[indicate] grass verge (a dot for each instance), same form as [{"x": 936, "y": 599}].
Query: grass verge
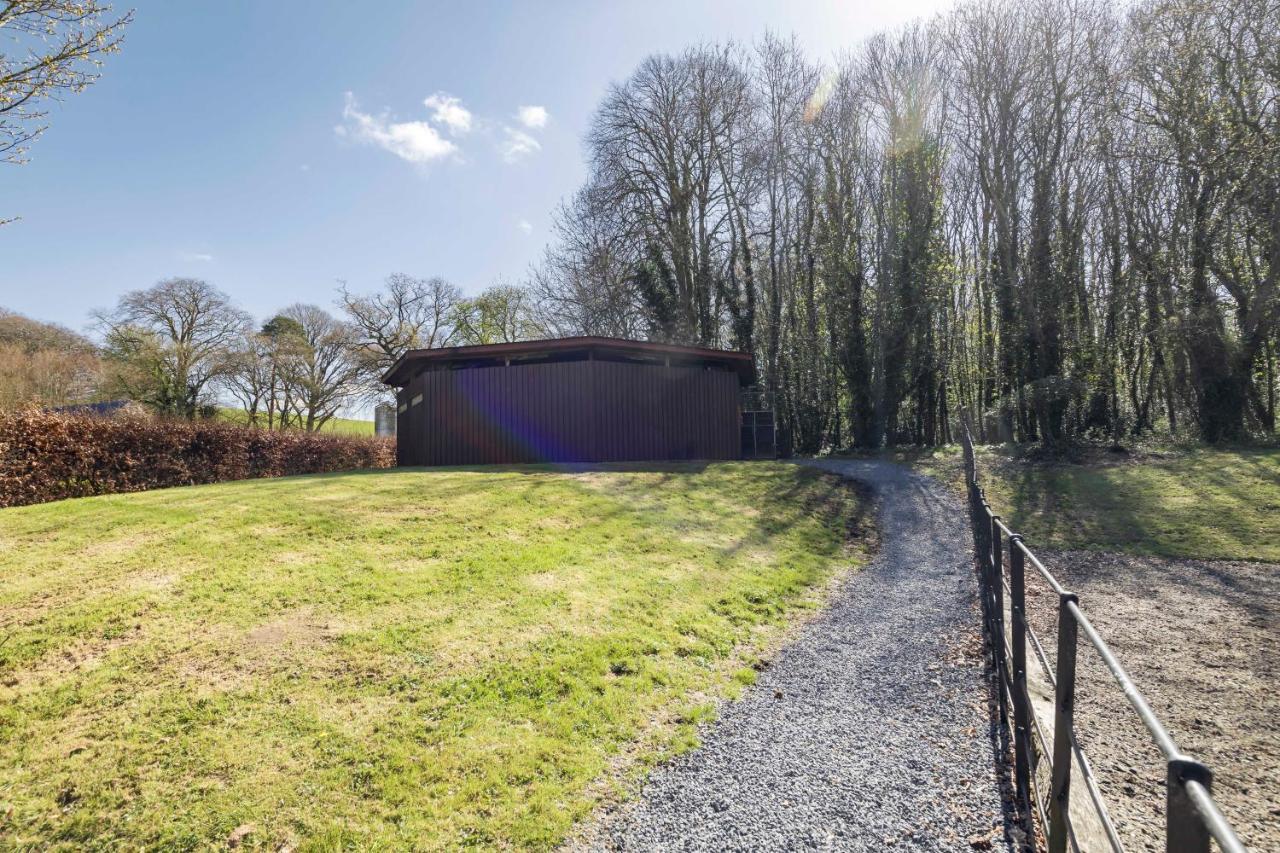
[
  {"x": 386, "y": 659},
  {"x": 1196, "y": 502}
]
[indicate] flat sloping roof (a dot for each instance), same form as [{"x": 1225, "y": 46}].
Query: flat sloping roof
[{"x": 415, "y": 360}]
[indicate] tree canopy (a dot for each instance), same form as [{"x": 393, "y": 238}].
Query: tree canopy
[{"x": 1055, "y": 218}]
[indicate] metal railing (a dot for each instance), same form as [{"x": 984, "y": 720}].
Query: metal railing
[{"x": 1192, "y": 817}]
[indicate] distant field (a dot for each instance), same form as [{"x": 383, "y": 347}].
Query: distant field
[
  {"x": 388, "y": 659},
  {"x": 1206, "y": 503},
  {"x": 348, "y": 426}
]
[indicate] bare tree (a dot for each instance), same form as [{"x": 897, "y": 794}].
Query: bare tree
[
  {"x": 584, "y": 283},
  {"x": 791, "y": 99},
  {"x": 322, "y": 373},
  {"x": 166, "y": 344},
  {"x": 251, "y": 377},
  {"x": 992, "y": 52},
  {"x": 839, "y": 115},
  {"x": 667, "y": 147},
  {"x": 409, "y": 313}
]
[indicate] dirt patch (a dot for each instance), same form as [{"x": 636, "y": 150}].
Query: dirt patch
[
  {"x": 67, "y": 661},
  {"x": 294, "y": 558},
  {"x": 116, "y": 548},
  {"x": 153, "y": 581},
  {"x": 229, "y": 659},
  {"x": 1201, "y": 639},
  {"x": 299, "y": 628}
]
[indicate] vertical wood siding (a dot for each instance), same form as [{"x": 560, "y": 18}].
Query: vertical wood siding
[{"x": 578, "y": 411}]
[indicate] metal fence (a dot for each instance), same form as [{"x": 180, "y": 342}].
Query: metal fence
[{"x": 1047, "y": 754}]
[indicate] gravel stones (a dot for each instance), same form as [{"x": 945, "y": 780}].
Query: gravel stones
[{"x": 870, "y": 732}]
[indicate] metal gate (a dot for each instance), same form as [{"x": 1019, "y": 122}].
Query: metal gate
[{"x": 759, "y": 438}]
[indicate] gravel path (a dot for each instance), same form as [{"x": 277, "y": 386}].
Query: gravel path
[{"x": 870, "y": 732}]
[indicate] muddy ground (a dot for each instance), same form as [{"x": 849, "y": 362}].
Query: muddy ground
[{"x": 1201, "y": 639}]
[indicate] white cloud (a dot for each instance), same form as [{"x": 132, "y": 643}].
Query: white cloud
[
  {"x": 525, "y": 226},
  {"x": 202, "y": 257},
  {"x": 449, "y": 111},
  {"x": 532, "y": 117},
  {"x": 414, "y": 141},
  {"x": 434, "y": 138},
  {"x": 517, "y": 145}
]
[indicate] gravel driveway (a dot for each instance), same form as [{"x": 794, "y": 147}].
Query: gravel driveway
[{"x": 870, "y": 732}]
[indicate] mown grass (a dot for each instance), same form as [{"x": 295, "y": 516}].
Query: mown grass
[
  {"x": 386, "y": 659},
  {"x": 345, "y": 426},
  {"x": 1194, "y": 502}
]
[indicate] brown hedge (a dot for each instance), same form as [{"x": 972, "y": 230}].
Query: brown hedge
[{"x": 46, "y": 456}]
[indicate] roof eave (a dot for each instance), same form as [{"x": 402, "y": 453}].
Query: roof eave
[{"x": 740, "y": 362}]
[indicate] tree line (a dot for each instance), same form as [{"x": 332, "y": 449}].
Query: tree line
[
  {"x": 182, "y": 346},
  {"x": 1057, "y": 219}
]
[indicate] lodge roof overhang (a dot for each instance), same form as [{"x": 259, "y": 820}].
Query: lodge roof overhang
[{"x": 415, "y": 361}]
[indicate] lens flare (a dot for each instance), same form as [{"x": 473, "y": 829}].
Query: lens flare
[{"x": 821, "y": 94}]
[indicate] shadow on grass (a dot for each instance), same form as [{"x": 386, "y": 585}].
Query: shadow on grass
[
  {"x": 804, "y": 493},
  {"x": 1194, "y": 506}
]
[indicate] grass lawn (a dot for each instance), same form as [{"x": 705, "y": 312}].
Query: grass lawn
[
  {"x": 346, "y": 426},
  {"x": 387, "y": 659},
  {"x": 1204, "y": 503}
]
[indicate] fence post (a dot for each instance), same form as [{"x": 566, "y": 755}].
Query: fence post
[
  {"x": 1185, "y": 832},
  {"x": 1063, "y": 724},
  {"x": 1022, "y": 742},
  {"x": 976, "y": 523},
  {"x": 997, "y": 622},
  {"x": 973, "y": 517},
  {"x": 984, "y": 568}
]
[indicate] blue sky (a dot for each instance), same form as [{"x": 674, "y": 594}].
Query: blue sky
[{"x": 275, "y": 148}]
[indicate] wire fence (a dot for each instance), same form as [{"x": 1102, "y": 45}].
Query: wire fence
[{"x": 1048, "y": 758}]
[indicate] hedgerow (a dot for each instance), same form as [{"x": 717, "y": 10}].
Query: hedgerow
[{"x": 48, "y": 456}]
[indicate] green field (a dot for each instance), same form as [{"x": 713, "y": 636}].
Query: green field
[
  {"x": 387, "y": 659},
  {"x": 346, "y": 426},
  {"x": 1204, "y": 503}
]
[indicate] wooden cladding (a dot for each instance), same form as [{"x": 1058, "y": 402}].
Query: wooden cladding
[{"x": 569, "y": 411}]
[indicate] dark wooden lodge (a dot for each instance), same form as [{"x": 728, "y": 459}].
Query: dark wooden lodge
[{"x": 583, "y": 399}]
